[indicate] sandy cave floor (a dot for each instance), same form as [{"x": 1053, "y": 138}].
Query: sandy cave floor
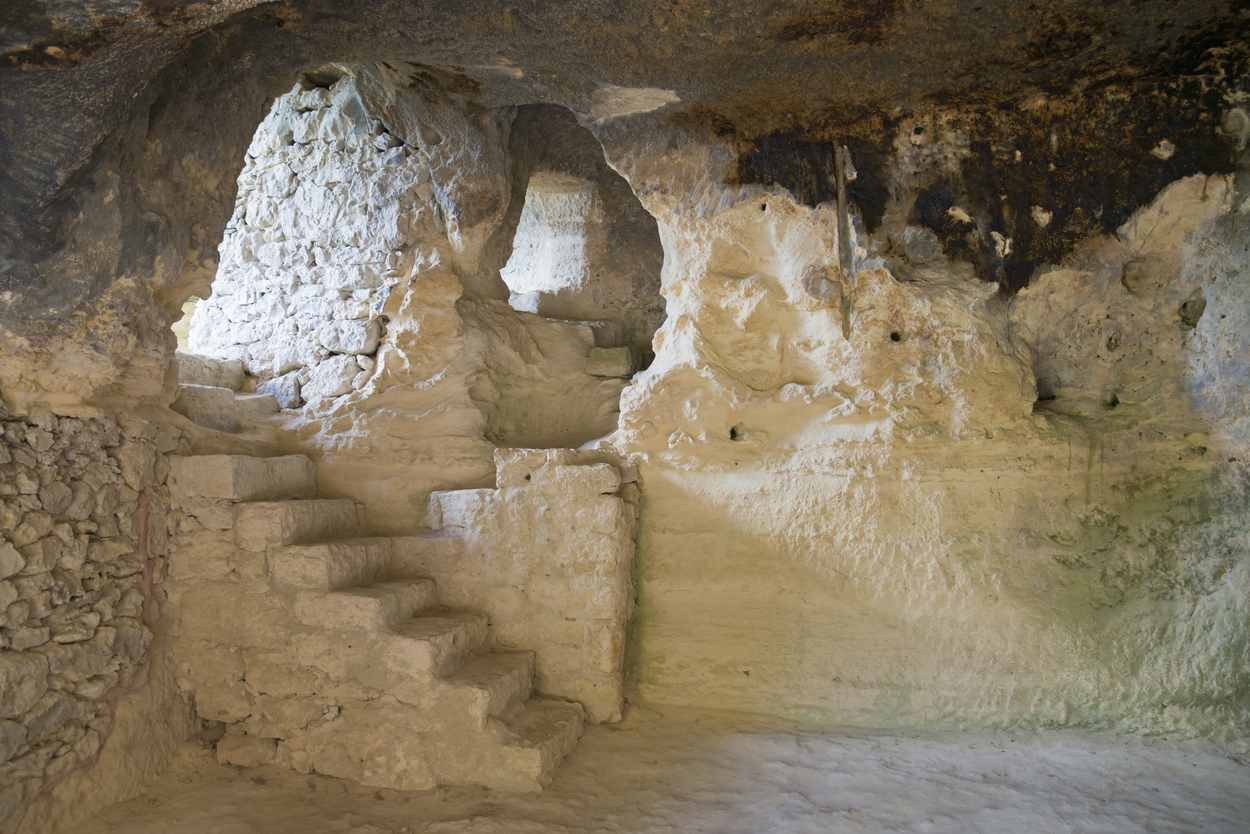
[{"x": 677, "y": 769}]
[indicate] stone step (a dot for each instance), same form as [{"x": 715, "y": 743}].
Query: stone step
[
  {"x": 194, "y": 369},
  {"x": 493, "y": 685},
  {"x": 242, "y": 477},
  {"x": 206, "y": 405},
  {"x": 330, "y": 565},
  {"x": 373, "y": 608},
  {"x": 437, "y": 640},
  {"x": 254, "y": 406},
  {"x": 543, "y": 732},
  {"x": 439, "y": 556},
  {"x": 267, "y": 524}
]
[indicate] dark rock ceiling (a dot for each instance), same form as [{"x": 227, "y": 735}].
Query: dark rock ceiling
[{"x": 777, "y": 80}]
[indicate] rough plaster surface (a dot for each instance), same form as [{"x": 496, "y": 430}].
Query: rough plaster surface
[
  {"x": 673, "y": 769},
  {"x": 898, "y": 531}
]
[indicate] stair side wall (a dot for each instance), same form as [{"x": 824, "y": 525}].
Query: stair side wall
[{"x": 552, "y": 562}]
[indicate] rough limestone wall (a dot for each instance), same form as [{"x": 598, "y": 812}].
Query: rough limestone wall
[
  {"x": 327, "y": 203},
  {"x": 584, "y": 247},
  {"x": 550, "y": 555},
  {"x": 362, "y": 215},
  {"x": 84, "y": 539},
  {"x": 853, "y": 510}
]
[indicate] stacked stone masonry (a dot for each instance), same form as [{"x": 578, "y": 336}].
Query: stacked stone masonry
[
  {"x": 323, "y": 649},
  {"x": 83, "y": 533},
  {"x": 327, "y": 210}
]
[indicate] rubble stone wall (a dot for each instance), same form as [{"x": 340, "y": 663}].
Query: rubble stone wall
[
  {"x": 327, "y": 205},
  {"x": 83, "y": 537}
]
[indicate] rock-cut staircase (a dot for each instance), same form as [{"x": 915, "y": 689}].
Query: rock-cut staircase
[{"x": 323, "y": 652}]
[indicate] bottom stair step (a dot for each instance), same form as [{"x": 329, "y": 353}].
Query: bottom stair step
[
  {"x": 494, "y": 684},
  {"x": 542, "y": 733}
]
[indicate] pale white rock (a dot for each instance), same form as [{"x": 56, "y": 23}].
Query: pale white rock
[
  {"x": 285, "y": 389},
  {"x": 353, "y": 337},
  {"x": 331, "y": 378}
]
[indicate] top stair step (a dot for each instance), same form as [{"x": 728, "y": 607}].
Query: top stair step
[{"x": 243, "y": 478}]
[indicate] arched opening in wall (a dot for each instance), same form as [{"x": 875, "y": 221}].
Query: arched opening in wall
[
  {"x": 346, "y": 218},
  {"x": 584, "y": 248},
  {"x": 292, "y": 315}
]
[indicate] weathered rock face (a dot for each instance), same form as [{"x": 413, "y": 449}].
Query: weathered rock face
[
  {"x": 84, "y": 533},
  {"x": 931, "y": 505},
  {"x": 584, "y": 248},
  {"x": 875, "y": 486},
  {"x": 341, "y": 289}
]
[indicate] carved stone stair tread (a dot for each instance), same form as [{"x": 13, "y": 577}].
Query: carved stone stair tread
[
  {"x": 266, "y": 524},
  {"x": 330, "y": 565},
  {"x": 440, "y": 638},
  {"x": 542, "y": 733},
  {"x": 242, "y": 478},
  {"x": 496, "y": 683},
  {"x": 251, "y": 406},
  {"x": 376, "y": 608},
  {"x": 543, "y": 721}
]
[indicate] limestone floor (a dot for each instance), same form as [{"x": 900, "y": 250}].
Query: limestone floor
[{"x": 670, "y": 769}]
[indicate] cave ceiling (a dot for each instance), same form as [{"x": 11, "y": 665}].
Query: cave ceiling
[{"x": 1060, "y": 103}]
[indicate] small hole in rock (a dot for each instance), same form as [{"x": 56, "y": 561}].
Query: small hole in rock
[
  {"x": 1113, "y": 343},
  {"x": 1110, "y": 400},
  {"x": 527, "y": 477},
  {"x": 763, "y": 206},
  {"x": 1191, "y": 311},
  {"x": 918, "y": 129},
  {"x": 896, "y": 336},
  {"x": 738, "y": 432}
]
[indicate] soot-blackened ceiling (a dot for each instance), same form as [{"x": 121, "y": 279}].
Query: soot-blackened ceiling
[{"x": 780, "y": 81}]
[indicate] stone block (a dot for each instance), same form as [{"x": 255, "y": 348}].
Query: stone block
[
  {"x": 260, "y": 526},
  {"x": 284, "y": 389},
  {"x": 23, "y": 681},
  {"x": 243, "y": 750},
  {"x": 242, "y": 477},
  {"x": 331, "y": 378},
  {"x": 194, "y": 369},
  {"x": 353, "y": 337},
  {"x": 10, "y": 560},
  {"x": 620, "y": 362},
  {"x": 206, "y": 405},
  {"x": 254, "y": 406}
]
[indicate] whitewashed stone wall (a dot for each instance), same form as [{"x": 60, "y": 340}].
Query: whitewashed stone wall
[
  {"x": 327, "y": 207},
  {"x": 83, "y": 534},
  {"x": 550, "y": 554}
]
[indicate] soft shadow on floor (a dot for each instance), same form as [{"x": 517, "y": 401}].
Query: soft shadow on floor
[{"x": 680, "y": 769}]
